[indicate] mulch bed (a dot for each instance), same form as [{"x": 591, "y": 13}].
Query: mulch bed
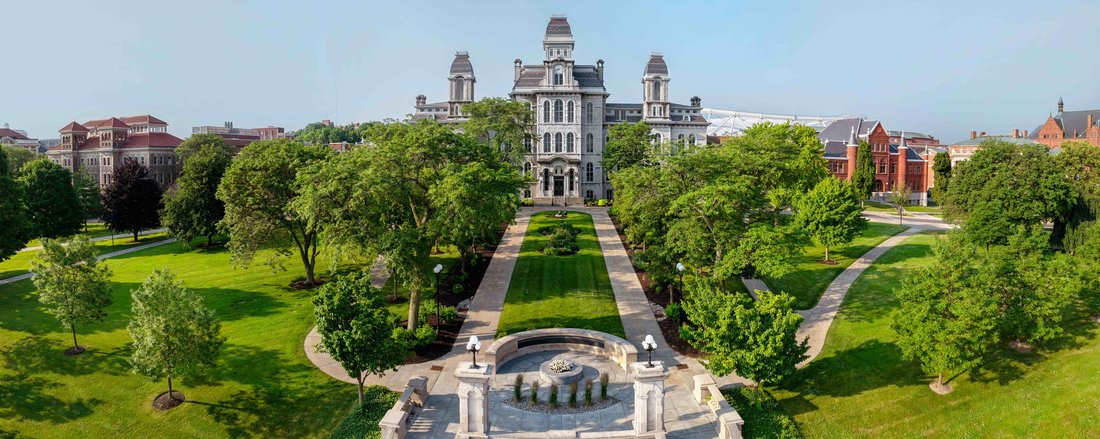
[
  {"x": 164, "y": 402},
  {"x": 670, "y": 329},
  {"x": 77, "y": 350}
]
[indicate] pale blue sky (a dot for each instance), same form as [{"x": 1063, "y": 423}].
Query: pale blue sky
[{"x": 942, "y": 67}]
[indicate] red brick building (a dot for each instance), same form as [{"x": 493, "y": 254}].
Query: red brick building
[
  {"x": 100, "y": 146},
  {"x": 1068, "y": 126},
  {"x": 895, "y": 163}
]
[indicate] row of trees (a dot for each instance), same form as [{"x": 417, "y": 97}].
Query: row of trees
[{"x": 1002, "y": 278}]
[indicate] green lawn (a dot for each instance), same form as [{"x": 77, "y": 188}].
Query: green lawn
[
  {"x": 560, "y": 291},
  {"x": 810, "y": 278},
  {"x": 263, "y": 385},
  {"x": 860, "y": 387},
  {"x": 95, "y": 230},
  {"x": 20, "y": 263}
]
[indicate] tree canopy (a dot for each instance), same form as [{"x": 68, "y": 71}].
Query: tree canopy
[
  {"x": 132, "y": 200},
  {"x": 53, "y": 208},
  {"x": 14, "y": 230},
  {"x": 1079, "y": 162},
  {"x": 318, "y": 133},
  {"x": 197, "y": 142},
  {"x": 627, "y": 145},
  {"x": 830, "y": 214},
  {"x": 260, "y": 189},
  {"x": 192, "y": 208},
  {"x": 506, "y": 125},
  {"x": 87, "y": 190},
  {"x": 71, "y": 283},
  {"x": 941, "y": 169},
  {"x": 863, "y": 176},
  {"x": 18, "y": 157}
]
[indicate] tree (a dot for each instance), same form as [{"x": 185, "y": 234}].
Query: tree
[
  {"x": 174, "y": 334},
  {"x": 318, "y": 133},
  {"x": 197, "y": 142},
  {"x": 900, "y": 198},
  {"x": 831, "y": 214},
  {"x": 757, "y": 340},
  {"x": 945, "y": 321},
  {"x": 356, "y": 329},
  {"x": 863, "y": 176},
  {"x": 941, "y": 168},
  {"x": 478, "y": 198},
  {"x": 1005, "y": 183},
  {"x": 132, "y": 200},
  {"x": 18, "y": 157},
  {"x": 627, "y": 145},
  {"x": 1079, "y": 162},
  {"x": 14, "y": 230},
  {"x": 192, "y": 208},
  {"x": 72, "y": 284},
  {"x": 53, "y": 208},
  {"x": 87, "y": 191},
  {"x": 504, "y": 124},
  {"x": 259, "y": 190}
]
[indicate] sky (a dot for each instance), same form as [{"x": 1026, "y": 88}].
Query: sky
[{"x": 939, "y": 67}]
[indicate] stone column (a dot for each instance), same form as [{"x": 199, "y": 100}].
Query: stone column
[
  {"x": 473, "y": 399},
  {"x": 649, "y": 397}
]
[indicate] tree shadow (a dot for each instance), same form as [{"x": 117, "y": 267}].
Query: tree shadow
[
  {"x": 24, "y": 397},
  {"x": 38, "y": 354},
  {"x": 871, "y": 365}
]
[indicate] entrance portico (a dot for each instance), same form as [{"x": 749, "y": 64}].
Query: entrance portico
[{"x": 558, "y": 182}]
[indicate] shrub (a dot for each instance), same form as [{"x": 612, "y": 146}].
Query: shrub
[
  {"x": 534, "y": 393},
  {"x": 427, "y": 310},
  {"x": 588, "y": 393},
  {"x": 553, "y": 396},
  {"x": 604, "y": 379},
  {"x": 517, "y": 389},
  {"x": 601, "y": 202},
  {"x": 764, "y": 420},
  {"x": 674, "y": 312},
  {"x": 685, "y": 333},
  {"x": 363, "y": 420},
  {"x": 562, "y": 242},
  {"x": 573, "y": 395},
  {"x": 457, "y": 289}
]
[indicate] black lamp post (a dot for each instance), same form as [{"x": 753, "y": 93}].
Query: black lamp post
[
  {"x": 473, "y": 346},
  {"x": 438, "y": 268},
  {"x": 679, "y": 268},
  {"x": 649, "y": 345}
]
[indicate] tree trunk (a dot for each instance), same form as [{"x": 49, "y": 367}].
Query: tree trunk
[
  {"x": 359, "y": 380},
  {"x": 826, "y": 254},
  {"x": 75, "y": 346},
  {"x": 170, "y": 386},
  {"x": 309, "y": 275},
  {"x": 414, "y": 304},
  {"x": 209, "y": 240},
  {"x": 939, "y": 382},
  {"x": 135, "y": 234}
]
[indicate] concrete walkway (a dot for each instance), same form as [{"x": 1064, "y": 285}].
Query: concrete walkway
[
  {"x": 100, "y": 257},
  {"x": 106, "y": 238}
]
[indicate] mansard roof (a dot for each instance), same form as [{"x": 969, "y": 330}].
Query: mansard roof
[
  {"x": 585, "y": 75},
  {"x": 461, "y": 65},
  {"x": 656, "y": 65},
  {"x": 558, "y": 25},
  {"x": 841, "y": 129}
]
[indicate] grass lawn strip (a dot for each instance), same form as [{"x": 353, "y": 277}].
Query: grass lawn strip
[
  {"x": 560, "y": 291},
  {"x": 20, "y": 263}
]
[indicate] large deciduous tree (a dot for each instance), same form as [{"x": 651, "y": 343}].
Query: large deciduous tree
[
  {"x": 192, "y": 208},
  {"x": 1079, "y": 162},
  {"x": 356, "y": 329},
  {"x": 863, "y": 176},
  {"x": 627, "y": 145},
  {"x": 322, "y": 134},
  {"x": 197, "y": 142},
  {"x": 53, "y": 207},
  {"x": 72, "y": 283},
  {"x": 14, "y": 230},
  {"x": 478, "y": 198},
  {"x": 18, "y": 157},
  {"x": 174, "y": 334},
  {"x": 87, "y": 190},
  {"x": 830, "y": 214},
  {"x": 132, "y": 200},
  {"x": 259, "y": 190},
  {"x": 504, "y": 124},
  {"x": 941, "y": 169}
]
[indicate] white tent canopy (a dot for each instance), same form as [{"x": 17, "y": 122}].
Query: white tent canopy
[{"x": 732, "y": 123}]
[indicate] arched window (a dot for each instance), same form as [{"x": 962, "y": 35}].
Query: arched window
[
  {"x": 557, "y": 142},
  {"x": 569, "y": 142},
  {"x": 571, "y": 180},
  {"x": 557, "y": 110},
  {"x": 527, "y": 144},
  {"x": 559, "y": 75},
  {"x": 691, "y": 139},
  {"x": 459, "y": 85},
  {"x": 589, "y": 143},
  {"x": 656, "y": 94},
  {"x": 589, "y": 174},
  {"x": 527, "y": 168},
  {"x": 656, "y": 137},
  {"x": 546, "y": 179},
  {"x": 546, "y": 142},
  {"x": 570, "y": 114},
  {"x": 546, "y": 111},
  {"x": 588, "y": 112}
]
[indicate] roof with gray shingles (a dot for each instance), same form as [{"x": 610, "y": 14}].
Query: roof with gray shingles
[
  {"x": 558, "y": 25},
  {"x": 656, "y": 65},
  {"x": 841, "y": 129},
  {"x": 585, "y": 76},
  {"x": 461, "y": 65}
]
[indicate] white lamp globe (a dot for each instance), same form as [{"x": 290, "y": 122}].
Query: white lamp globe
[
  {"x": 679, "y": 266},
  {"x": 438, "y": 268}
]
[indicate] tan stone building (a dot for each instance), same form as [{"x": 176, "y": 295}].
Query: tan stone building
[{"x": 100, "y": 146}]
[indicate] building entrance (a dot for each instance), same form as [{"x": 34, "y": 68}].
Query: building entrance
[{"x": 559, "y": 186}]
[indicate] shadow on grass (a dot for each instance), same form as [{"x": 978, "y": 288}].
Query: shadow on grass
[
  {"x": 871, "y": 365},
  {"x": 25, "y": 397},
  {"x": 38, "y": 354}
]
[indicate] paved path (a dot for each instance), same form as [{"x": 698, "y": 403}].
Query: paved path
[
  {"x": 105, "y": 238},
  {"x": 921, "y": 220},
  {"x": 100, "y": 257}
]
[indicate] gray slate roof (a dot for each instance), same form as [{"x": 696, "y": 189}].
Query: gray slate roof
[
  {"x": 558, "y": 25},
  {"x": 1077, "y": 121},
  {"x": 586, "y": 76},
  {"x": 461, "y": 65},
  {"x": 656, "y": 65},
  {"x": 841, "y": 129}
]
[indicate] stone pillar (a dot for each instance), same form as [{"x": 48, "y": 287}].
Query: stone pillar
[
  {"x": 473, "y": 399},
  {"x": 649, "y": 397}
]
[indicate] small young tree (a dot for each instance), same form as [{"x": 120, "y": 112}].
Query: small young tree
[
  {"x": 192, "y": 209},
  {"x": 53, "y": 208},
  {"x": 72, "y": 284},
  {"x": 900, "y": 199},
  {"x": 863, "y": 176},
  {"x": 132, "y": 200},
  {"x": 830, "y": 213},
  {"x": 14, "y": 230},
  {"x": 356, "y": 329},
  {"x": 174, "y": 334},
  {"x": 87, "y": 190},
  {"x": 945, "y": 322},
  {"x": 941, "y": 169}
]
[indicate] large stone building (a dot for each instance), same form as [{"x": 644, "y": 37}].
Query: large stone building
[
  {"x": 961, "y": 151},
  {"x": 573, "y": 115},
  {"x": 102, "y": 145},
  {"x": 1067, "y": 126},
  {"x": 894, "y": 162},
  {"x": 240, "y": 137},
  {"x": 17, "y": 138}
]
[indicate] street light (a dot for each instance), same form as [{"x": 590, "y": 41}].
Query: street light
[
  {"x": 438, "y": 268},
  {"x": 473, "y": 346},
  {"x": 649, "y": 345},
  {"x": 679, "y": 268}
]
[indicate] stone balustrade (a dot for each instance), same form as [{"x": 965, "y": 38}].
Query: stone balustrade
[
  {"x": 706, "y": 393},
  {"x": 395, "y": 423},
  {"x": 614, "y": 348}
]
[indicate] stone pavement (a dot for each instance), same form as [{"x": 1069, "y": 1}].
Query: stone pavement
[{"x": 100, "y": 257}]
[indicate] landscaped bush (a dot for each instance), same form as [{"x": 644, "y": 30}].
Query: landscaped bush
[
  {"x": 601, "y": 202},
  {"x": 763, "y": 420},
  {"x": 363, "y": 421},
  {"x": 562, "y": 239},
  {"x": 517, "y": 388},
  {"x": 423, "y": 336},
  {"x": 573, "y": 395},
  {"x": 588, "y": 393},
  {"x": 604, "y": 380},
  {"x": 427, "y": 310},
  {"x": 674, "y": 312},
  {"x": 553, "y": 399}
]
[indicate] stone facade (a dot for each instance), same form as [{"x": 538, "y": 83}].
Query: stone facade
[
  {"x": 573, "y": 115},
  {"x": 100, "y": 146},
  {"x": 1068, "y": 126}
]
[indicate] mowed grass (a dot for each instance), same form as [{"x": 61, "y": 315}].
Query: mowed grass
[
  {"x": 20, "y": 263},
  {"x": 95, "y": 230},
  {"x": 810, "y": 278},
  {"x": 860, "y": 387},
  {"x": 560, "y": 291},
  {"x": 263, "y": 384}
]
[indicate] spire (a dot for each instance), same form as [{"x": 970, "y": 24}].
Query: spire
[
  {"x": 852, "y": 137},
  {"x": 1060, "y": 105},
  {"x": 902, "y": 144}
]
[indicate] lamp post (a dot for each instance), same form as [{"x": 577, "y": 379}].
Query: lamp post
[
  {"x": 679, "y": 268},
  {"x": 473, "y": 346},
  {"x": 649, "y": 345},
  {"x": 437, "y": 269}
]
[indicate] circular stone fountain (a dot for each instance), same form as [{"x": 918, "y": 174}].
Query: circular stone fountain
[{"x": 560, "y": 371}]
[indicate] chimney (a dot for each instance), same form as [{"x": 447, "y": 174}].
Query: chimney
[
  {"x": 1015, "y": 133},
  {"x": 973, "y": 135},
  {"x": 599, "y": 69},
  {"x": 518, "y": 68},
  {"x": 696, "y": 102},
  {"x": 421, "y": 100},
  {"x": 981, "y": 134},
  {"x": 1025, "y": 133},
  {"x": 1091, "y": 120}
]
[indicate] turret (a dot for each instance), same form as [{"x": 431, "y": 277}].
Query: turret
[
  {"x": 72, "y": 135},
  {"x": 852, "y": 153},
  {"x": 1061, "y": 105},
  {"x": 696, "y": 101},
  {"x": 421, "y": 100},
  {"x": 655, "y": 87},
  {"x": 462, "y": 82},
  {"x": 558, "y": 42}
]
